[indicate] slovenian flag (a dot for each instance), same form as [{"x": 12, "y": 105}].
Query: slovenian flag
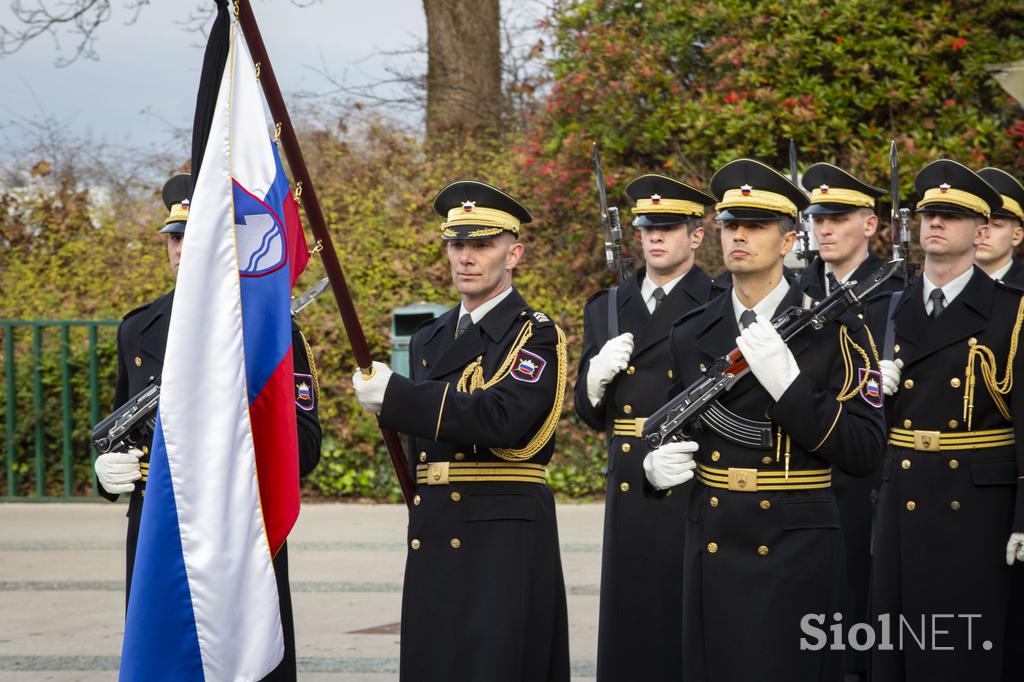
[{"x": 223, "y": 486}]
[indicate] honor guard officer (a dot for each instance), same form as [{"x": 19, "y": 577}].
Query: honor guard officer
[
  {"x": 484, "y": 597},
  {"x": 624, "y": 374},
  {"x": 141, "y": 340},
  {"x": 952, "y": 493},
  {"x": 1005, "y": 230},
  {"x": 763, "y": 544},
  {"x": 843, "y": 217}
]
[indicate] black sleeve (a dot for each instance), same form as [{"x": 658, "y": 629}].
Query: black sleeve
[
  {"x": 594, "y": 331},
  {"x": 307, "y": 400}
]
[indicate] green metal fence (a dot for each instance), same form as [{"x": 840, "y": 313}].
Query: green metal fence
[{"x": 40, "y": 371}]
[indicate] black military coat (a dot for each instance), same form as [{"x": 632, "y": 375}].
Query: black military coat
[
  {"x": 141, "y": 341},
  {"x": 945, "y": 515},
  {"x": 642, "y": 555},
  {"x": 484, "y": 596},
  {"x": 1015, "y": 275},
  {"x": 758, "y": 561},
  {"x": 856, "y": 496}
]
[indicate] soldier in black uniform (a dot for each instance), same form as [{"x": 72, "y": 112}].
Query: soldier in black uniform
[
  {"x": 1005, "y": 230},
  {"x": 484, "y": 597},
  {"x": 763, "y": 544},
  {"x": 624, "y": 374},
  {"x": 952, "y": 492},
  {"x": 843, "y": 217},
  {"x": 141, "y": 340}
]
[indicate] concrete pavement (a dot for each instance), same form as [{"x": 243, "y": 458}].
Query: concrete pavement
[{"x": 62, "y": 589}]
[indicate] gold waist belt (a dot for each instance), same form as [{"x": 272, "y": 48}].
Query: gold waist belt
[
  {"x": 442, "y": 473},
  {"x": 629, "y": 427},
  {"x": 752, "y": 480},
  {"x": 934, "y": 441}
]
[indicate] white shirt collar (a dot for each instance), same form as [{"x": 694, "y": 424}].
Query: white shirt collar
[
  {"x": 647, "y": 288},
  {"x": 1001, "y": 272},
  {"x": 484, "y": 308},
  {"x": 949, "y": 292},
  {"x": 766, "y": 306}
]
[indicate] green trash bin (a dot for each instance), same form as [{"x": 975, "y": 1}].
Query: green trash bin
[{"x": 404, "y": 322}]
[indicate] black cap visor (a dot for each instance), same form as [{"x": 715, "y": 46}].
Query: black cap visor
[
  {"x": 661, "y": 219},
  {"x": 744, "y": 213},
  {"x": 177, "y": 227},
  {"x": 831, "y": 209},
  {"x": 948, "y": 209}
]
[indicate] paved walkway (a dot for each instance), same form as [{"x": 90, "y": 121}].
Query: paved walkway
[{"x": 62, "y": 589}]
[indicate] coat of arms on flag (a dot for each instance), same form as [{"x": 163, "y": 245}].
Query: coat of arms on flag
[
  {"x": 871, "y": 389},
  {"x": 527, "y": 367}
]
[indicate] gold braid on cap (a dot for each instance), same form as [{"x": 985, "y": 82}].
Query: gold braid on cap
[
  {"x": 668, "y": 206},
  {"x": 472, "y": 379},
  {"x": 179, "y": 214},
  {"x": 957, "y": 197},
  {"x": 996, "y": 388},
  {"x": 757, "y": 198},
  {"x": 840, "y": 195},
  {"x": 492, "y": 221},
  {"x": 1013, "y": 206}
]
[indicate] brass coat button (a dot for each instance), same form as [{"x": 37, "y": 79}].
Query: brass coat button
[
  {"x": 415, "y": 544},
  {"x": 669, "y": 493},
  {"x": 907, "y": 423},
  {"x": 972, "y": 341},
  {"x": 896, "y": 348},
  {"x": 715, "y": 455},
  {"x": 624, "y": 487},
  {"x": 905, "y": 464},
  {"x": 953, "y": 423},
  {"x": 628, "y": 409},
  {"x": 456, "y": 497},
  {"x": 766, "y": 460},
  {"x": 954, "y": 382},
  {"x": 423, "y": 456},
  {"x": 713, "y": 501},
  {"x": 764, "y": 504},
  {"x": 416, "y": 500},
  {"x": 954, "y": 505},
  {"x": 669, "y": 373},
  {"x": 626, "y": 447},
  {"x": 456, "y": 543},
  {"x": 712, "y": 547},
  {"x": 703, "y": 368},
  {"x": 145, "y": 449},
  {"x": 631, "y": 370},
  {"x": 954, "y": 464},
  {"x": 762, "y": 550},
  {"x": 911, "y": 505},
  {"x": 459, "y": 457},
  {"x": 909, "y": 383},
  {"x": 424, "y": 361},
  {"x": 138, "y": 361}
]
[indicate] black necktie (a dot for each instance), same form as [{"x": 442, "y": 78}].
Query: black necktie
[
  {"x": 465, "y": 322},
  {"x": 937, "y": 302},
  {"x": 658, "y": 295},
  {"x": 831, "y": 283},
  {"x": 747, "y": 318}
]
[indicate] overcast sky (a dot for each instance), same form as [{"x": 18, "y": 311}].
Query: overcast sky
[{"x": 144, "y": 83}]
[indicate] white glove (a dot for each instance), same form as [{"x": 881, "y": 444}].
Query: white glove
[
  {"x": 610, "y": 360},
  {"x": 671, "y": 464},
  {"x": 768, "y": 356},
  {"x": 370, "y": 392},
  {"x": 890, "y": 375},
  {"x": 118, "y": 471},
  {"x": 1015, "y": 549}
]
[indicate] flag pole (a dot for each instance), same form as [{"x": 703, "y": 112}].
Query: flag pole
[{"x": 306, "y": 193}]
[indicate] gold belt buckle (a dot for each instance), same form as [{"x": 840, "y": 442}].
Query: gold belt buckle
[
  {"x": 437, "y": 473},
  {"x": 743, "y": 480},
  {"x": 638, "y": 426},
  {"x": 927, "y": 441}
]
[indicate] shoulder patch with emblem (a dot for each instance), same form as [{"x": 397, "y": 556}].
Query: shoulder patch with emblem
[
  {"x": 304, "y": 395},
  {"x": 527, "y": 367},
  {"x": 871, "y": 391},
  {"x": 541, "y": 317}
]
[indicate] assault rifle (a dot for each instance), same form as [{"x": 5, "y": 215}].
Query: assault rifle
[
  {"x": 132, "y": 425},
  {"x": 672, "y": 420},
  {"x": 899, "y": 222},
  {"x": 610, "y": 225},
  {"x": 803, "y": 227}
]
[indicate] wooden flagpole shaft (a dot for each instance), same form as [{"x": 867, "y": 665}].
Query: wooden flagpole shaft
[{"x": 315, "y": 216}]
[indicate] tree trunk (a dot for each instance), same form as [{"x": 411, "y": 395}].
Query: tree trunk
[{"x": 463, "y": 67}]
